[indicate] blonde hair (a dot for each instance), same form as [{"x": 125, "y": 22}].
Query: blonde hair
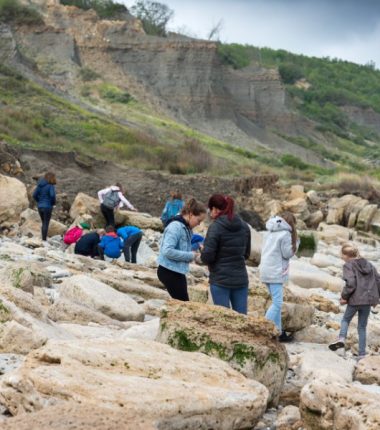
[{"x": 350, "y": 250}]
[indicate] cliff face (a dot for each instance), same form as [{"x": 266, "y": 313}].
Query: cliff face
[{"x": 182, "y": 77}]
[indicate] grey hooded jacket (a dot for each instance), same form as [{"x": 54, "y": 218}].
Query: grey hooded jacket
[
  {"x": 276, "y": 252},
  {"x": 362, "y": 283}
]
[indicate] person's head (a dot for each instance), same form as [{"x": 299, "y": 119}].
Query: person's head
[
  {"x": 221, "y": 205},
  {"x": 101, "y": 232},
  {"x": 193, "y": 212},
  {"x": 175, "y": 195},
  {"x": 118, "y": 184},
  {"x": 290, "y": 219},
  {"x": 50, "y": 177},
  {"x": 349, "y": 252},
  {"x": 110, "y": 229}
]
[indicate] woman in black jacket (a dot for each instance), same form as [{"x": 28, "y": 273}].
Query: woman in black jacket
[{"x": 226, "y": 247}]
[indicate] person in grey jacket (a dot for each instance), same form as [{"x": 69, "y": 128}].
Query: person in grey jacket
[
  {"x": 226, "y": 247},
  {"x": 175, "y": 250},
  {"x": 361, "y": 291},
  {"x": 280, "y": 245}
]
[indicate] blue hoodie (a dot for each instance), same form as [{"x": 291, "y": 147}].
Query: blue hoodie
[
  {"x": 44, "y": 194},
  {"x": 112, "y": 245},
  {"x": 127, "y": 231}
]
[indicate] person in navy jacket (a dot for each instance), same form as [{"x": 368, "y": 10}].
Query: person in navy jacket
[{"x": 44, "y": 195}]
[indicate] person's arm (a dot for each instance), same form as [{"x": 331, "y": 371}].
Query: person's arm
[
  {"x": 53, "y": 199},
  {"x": 102, "y": 243},
  {"x": 125, "y": 202},
  {"x": 102, "y": 192},
  {"x": 210, "y": 245},
  {"x": 36, "y": 194},
  {"x": 287, "y": 247},
  {"x": 377, "y": 281},
  {"x": 169, "y": 243},
  {"x": 350, "y": 281},
  {"x": 247, "y": 253},
  {"x": 164, "y": 212}
]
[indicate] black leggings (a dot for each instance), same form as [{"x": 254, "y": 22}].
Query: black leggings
[
  {"x": 131, "y": 245},
  {"x": 174, "y": 282},
  {"x": 45, "y": 215},
  {"x": 108, "y": 215}
]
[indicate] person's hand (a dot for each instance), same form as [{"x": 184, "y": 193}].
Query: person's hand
[
  {"x": 201, "y": 247},
  {"x": 342, "y": 301}
]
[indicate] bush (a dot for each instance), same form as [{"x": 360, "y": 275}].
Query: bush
[
  {"x": 104, "y": 8},
  {"x": 87, "y": 74},
  {"x": 291, "y": 160},
  {"x": 290, "y": 73},
  {"x": 13, "y": 11},
  {"x": 234, "y": 54},
  {"x": 190, "y": 158},
  {"x": 153, "y": 15},
  {"x": 115, "y": 94}
]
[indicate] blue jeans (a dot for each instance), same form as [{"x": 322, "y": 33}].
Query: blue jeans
[
  {"x": 274, "y": 312},
  {"x": 238, "y": 297},
  {"x": 363, "y": 314}
]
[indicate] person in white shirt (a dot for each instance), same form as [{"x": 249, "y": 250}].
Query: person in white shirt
[{"x": 110, "y": 199}]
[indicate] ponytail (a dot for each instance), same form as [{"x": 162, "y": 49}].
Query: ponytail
[
  {"x": 193, "y": 207},
  {"x": 291, "y": 220},
  {"x": 225, "y": 204}
]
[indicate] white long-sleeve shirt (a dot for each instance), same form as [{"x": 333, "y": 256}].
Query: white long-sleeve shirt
[{"x": 123, "y": 200}]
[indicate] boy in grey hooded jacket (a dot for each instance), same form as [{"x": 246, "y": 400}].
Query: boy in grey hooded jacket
[
  {"x": 362, "y": 290},
  {"x": 280, "y": 244}
]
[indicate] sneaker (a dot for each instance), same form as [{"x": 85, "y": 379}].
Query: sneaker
[
  {"x": 336, "y": 345},
  {"x": 359, "y": 357},
  {"x": 285, "y": 337}
]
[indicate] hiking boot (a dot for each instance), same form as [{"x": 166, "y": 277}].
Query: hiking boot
[
  {"x": 336, "y": 345},
  {"x": 285, "y": 337}
]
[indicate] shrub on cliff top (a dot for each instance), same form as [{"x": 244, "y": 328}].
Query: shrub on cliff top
[
  {"x": 234, "y": 54},
  {"x": 104, "y": 8},
  {"x": 13, "y": 11},
  {"x": 153, "y": 15}
]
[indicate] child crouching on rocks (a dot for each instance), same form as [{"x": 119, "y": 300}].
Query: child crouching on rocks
[{"x": 362, "y": 290}]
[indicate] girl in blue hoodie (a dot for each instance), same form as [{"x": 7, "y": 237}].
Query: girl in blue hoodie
[
  {"x": 111, "y": 244},
  {"x": 44, "y": 195},
  {"x": 280, "y": 245}
]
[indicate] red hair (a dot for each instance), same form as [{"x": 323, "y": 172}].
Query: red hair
[{"x": 224, "y": 203}]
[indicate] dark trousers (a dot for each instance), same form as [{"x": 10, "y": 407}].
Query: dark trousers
[
  {"x": 131, "y": 245},
  {"x": 108, "y": 215},
  {"x": 174, "y": 282},
  {"x": 45, "y": 215},
  {"x": 100, "y": 252}
]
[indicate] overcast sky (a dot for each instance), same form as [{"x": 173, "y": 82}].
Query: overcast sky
[{"x": 346, "y": 29}]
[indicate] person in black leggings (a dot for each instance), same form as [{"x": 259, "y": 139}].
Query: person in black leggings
[
  {"x": 44, "y": 195},
  {"x": 175, "y": 250}
]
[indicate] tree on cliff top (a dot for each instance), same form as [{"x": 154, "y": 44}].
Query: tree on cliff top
[
  {"x": 107, "y": 9},
  {"x": 153, "y": 15}
]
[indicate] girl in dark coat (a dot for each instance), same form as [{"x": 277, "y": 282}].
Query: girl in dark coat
[
  {"x": 44, "y": 195},
  {"x": 226, "y": 247}
]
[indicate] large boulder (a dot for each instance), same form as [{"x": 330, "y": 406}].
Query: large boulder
[
  {"x": 333, "y": 234},
  {"x": 306, "y": 275},
  {"x": 248, "y": 344},
  {"x": 368, "y": 370},
  {"x": 365, "y": 217},
  {"x": 31, "y": 225},
  {"x": 256, "y": 247},
  {"x": 13, "y": 200},
  {"x": 328, "y": 405},
  {"x": 299, "y": 207},
  {"x": 182, "y": 390},
  {"x": 25, "y": 276},
  {"x": 101, "y": 297},
  {"x": 339, "y": 208}
]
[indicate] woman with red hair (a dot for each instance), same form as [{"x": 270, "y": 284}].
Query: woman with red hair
[{"x": 226, "y": 247}]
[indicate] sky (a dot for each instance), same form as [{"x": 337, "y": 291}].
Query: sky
[{"x": 345, "y": 29}]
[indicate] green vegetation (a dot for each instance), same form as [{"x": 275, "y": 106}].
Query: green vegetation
[
  {"x": 153, "y": 15},
  {"x": 107, "y": 9},
  {"x": 234, "y": 55},
  {"x": 114, "y": 94},
  {"x": 13, "y": 11},
  {"x": 88, "y": 75},
  {"x": 308, "y": 244}
]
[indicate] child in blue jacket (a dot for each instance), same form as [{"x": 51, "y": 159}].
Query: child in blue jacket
[{"x": 111, "y": 244}]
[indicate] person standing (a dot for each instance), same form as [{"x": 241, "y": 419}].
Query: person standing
[
  {"x": 172, "y": 207},
  {"x": 45, "y": 196},
  {"x": 131, "y": 236},
  {"x": 111, "y": 198},
  {"x": 175, "y": 250},
  {"x": 280, "y": 245},
  {"x": 361, "y": 291},
  {"x": 226, "y": 247}
]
